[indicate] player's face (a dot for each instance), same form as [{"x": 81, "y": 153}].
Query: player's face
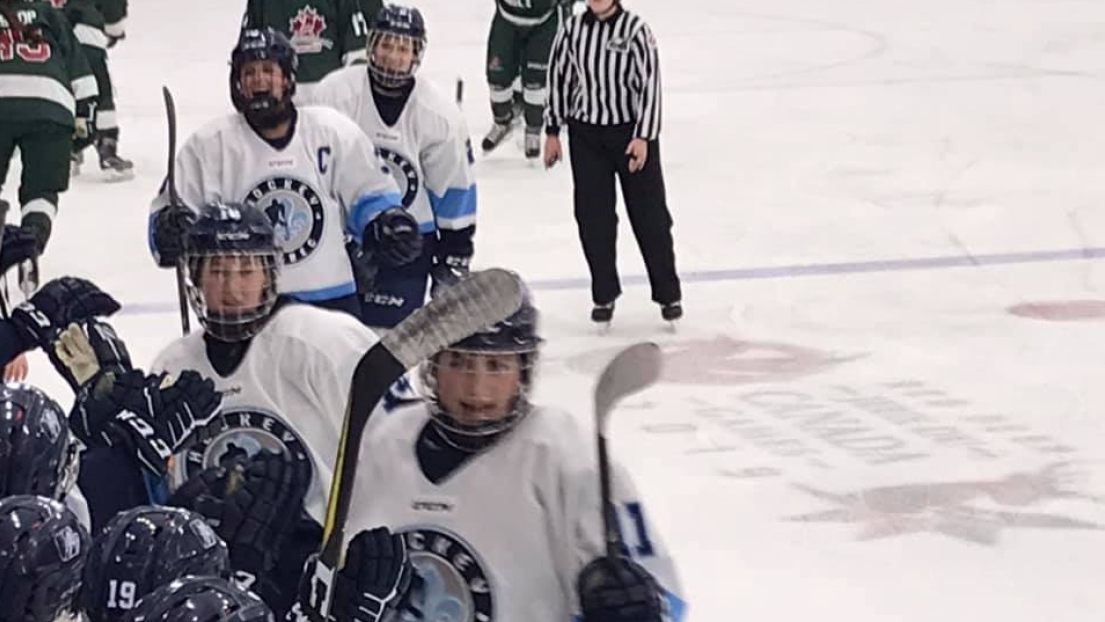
[
  {"x": 394, "y": 53},
  {"x": 262, "y": 76},
  {"x": 478, "y": 388},
  {"x": 234, "y": 283}
]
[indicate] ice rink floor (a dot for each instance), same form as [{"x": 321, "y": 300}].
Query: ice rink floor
[{"x": 885, "y": 401}]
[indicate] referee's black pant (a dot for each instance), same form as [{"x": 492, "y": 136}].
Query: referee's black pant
[{"x": 598, "y": 154}]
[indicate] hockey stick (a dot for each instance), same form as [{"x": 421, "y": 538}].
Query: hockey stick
[
  {"x": 460, "y": 91},
  {"x": 475, "y": 302},
  {"x": 633, "y": 369},
  {"x": 175, "y": 204}
]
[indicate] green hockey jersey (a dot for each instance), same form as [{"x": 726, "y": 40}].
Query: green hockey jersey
[
  {"x": 370, "y": 8},
  {"x": 95, "y": 22},
  {"x": 43, "y": 76},
  {"x": 528, "y": 12},
  {"x": 326, "y": 34}
]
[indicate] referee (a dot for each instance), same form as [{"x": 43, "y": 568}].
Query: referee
[{"x": 604, "y": 83}]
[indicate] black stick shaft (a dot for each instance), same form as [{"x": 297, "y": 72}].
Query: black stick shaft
[
  {"x": 609, "y": 511},
  {"x": 175, "y": 204}
]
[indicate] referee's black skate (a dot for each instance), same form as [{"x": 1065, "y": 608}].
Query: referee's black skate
[
  {"x": 602, "y": 315},
  {"x": 671, "y": 312}
]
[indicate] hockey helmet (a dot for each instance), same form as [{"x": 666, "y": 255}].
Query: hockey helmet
[
  {"x": 397, "y": 26},
  {"x": 43, "y": 547},
  {"x": 517, "y": 335},
  {"x": 143, "y": 549},
  {"x": 237, "y": 237},
  {"x": 200, "y": 599},
  {"x": 263, "y": 109},
  {"x": 38, "y": 454}
]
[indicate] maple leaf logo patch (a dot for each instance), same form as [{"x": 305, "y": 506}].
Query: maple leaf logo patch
[{"x": 307, "y": 27}]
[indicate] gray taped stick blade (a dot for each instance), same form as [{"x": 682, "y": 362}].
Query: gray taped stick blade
[
  {"x": 633, "y": 369},
  {"x": 474, "y": 303}
]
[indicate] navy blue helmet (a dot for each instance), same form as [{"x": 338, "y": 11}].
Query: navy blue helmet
[
  {"x": 234, "y": 239},
  {"x": 143, "y": 549},
  {"x": 42, "y": 551},
  {"x": 200, "y": 599},
  {"x": 38, "y": 455},
  {"x": 395, "y": 32},
  {"x": 263, "y": 109}
]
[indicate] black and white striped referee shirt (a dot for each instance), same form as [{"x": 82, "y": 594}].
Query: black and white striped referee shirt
[{"x": 605, "y": 73}]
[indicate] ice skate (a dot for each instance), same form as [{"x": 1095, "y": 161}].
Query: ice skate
[
  {"x": 671, "y": 313},
  {"x": 114, "y": 167},
  {"x": 533, "y": 143},
  {"x": 499, "y": 132},
  {"x": 76, "y": 159},
  {"x": 602, "y": 315}
]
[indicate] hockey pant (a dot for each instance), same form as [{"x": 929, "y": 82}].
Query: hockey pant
[
  {"x": 44, "y": 152},
  {"x": 514, "y": 51},
  {"x": 399, "y": 290}
]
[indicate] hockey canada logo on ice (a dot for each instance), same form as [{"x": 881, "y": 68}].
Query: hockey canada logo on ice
[
  {"x": 68, "y": 543},
  {"x": 307, "y": 27}
]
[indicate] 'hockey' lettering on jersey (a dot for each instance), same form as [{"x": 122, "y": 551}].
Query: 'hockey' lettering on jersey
[
  {"x": 455, "y": 584},
  {"x": 236, "y": 433},
  {"x": 296, "y": 213},
  {"x": 403, "y": 172}
]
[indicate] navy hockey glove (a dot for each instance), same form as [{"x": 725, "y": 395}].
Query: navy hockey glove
[
  {"x": 447, "y": 271},
  {"x": 145, "y": 414},
  {"x": 393, "y": 237},
  {"x": 254, "y": 504},
  {"x": 58, "y": 304},
  {"x": 364, "y": 265},
  {"x": 169, "y": 228},
  {"x": 618, "y": 590},
  {"x": 86, "y": 352},
  {"x": 374, "y": 581},
  {"x": 18, "y": 246}
]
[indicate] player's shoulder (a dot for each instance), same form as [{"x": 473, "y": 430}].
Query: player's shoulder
[
  {"x": 327, "y": 121},
  {"x": 317, "y": 329},
  {"x": 343, "y": 78},
  {"x": 230, "y": 123},
  {"x": 432, "y": 104},
  {"x": 401, "y": 425},
  {"x": 562, "y": 436},
  {"x": 187, "y": 352}
]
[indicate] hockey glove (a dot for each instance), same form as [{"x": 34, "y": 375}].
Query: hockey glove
[
  {"x": 17, "y": 246},
  {"x": 393, "y": 237},
  {"x": 374, "y": 581},
  {"x": 58, "y": 304},
  {"x": 85, "y": 352},
  {"x": 83, "y": 122},
  {"x": 145, "y": 414},
  {"x": 447, "y": 271},
  {"x": 364, "y": 265},
  {"x": 253, "y": 504},
  {"x": 618, "y": 590},
  {"x": 169, "y": 228}
]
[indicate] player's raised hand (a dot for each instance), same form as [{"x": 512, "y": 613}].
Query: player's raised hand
[
  {"x": 618, "y": 589},
  {"x": 85, "y": 351},
  {"x": 373, "y": 583},
  {"x": 58, "y": 304}
]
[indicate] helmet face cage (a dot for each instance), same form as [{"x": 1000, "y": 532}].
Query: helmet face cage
[
  {"x": 266, "y": 44},
  {"x": 398, "y": 27},
  {"x": 238, "y": 324},
  {"x": 520, "y": 405}
]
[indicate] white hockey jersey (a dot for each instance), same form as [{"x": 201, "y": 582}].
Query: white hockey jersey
[
  {"x": 505, "y": 536},
  {"x": 326, "y": 183},
  {"x": 427, "y": 150},
  {"x": 289, "y": 392}
]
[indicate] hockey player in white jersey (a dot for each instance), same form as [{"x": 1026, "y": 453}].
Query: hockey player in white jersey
[
  {"x": 310, "y": 169},
  {"x": 422, "y": 139},
  {"x": 496, "y": 504},
  {"x": 284, "y": 370}
]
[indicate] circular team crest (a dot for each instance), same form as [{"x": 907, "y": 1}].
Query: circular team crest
[
  {"x": 295, "y": 211},
  {"x": 239, "y": 433},
  {"x": 455, "y": 588},
  {"x": 404, "y": 173}
]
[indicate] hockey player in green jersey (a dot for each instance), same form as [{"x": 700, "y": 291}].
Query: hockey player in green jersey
[
  {"x": 521, "y": 36},
  {"x": 370, "y": 8},
  {"x": 47, "y": 95},
  {"x": 98, "y": 26},
  {"x": 326, "y": 34}
]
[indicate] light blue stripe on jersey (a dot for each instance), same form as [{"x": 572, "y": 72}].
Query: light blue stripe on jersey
[
  {"x": 455, "y": 203},
  {"x": 326, "y": 293},
  {"x": 365, "y": 208}
]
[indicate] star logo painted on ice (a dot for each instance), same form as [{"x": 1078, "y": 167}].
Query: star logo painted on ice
[{"x": 954, "y": 508}]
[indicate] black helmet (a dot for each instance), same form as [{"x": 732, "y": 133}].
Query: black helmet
[
  {"x": 42, "y": 551},
  {"x": 518, "y": 334},
  {"x": 263, "y": 109},
  {"x": 402, "y": 23},
  {"x": 38, "y": 455},
  {"x": 147, "y": 547},
  {"x": 200, "y": 599},
  {"x": 231, "y": 230}
]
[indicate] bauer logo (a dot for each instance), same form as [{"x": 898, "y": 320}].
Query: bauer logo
[
  {"x": 240, "y": 434},
  {"x": 456, "y": 586},
  {"x": 403, "y": 172},
  {"x": 296, "y": 213}
]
